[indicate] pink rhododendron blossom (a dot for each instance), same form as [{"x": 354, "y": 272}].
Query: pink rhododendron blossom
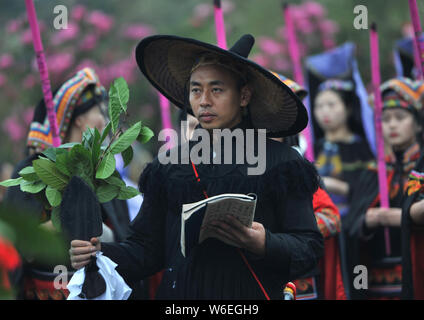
[
  {"x": 60, "y": 62},
  {"x": 78, "y": 12},
  {"x": 314, "y": 9},
  {"x": 269, "y": 46},
  {"x": 101, "y": 21},
  {"x": 262, "y": 60},
  {"x": 137, "y": 31},
  {"x": 89, "y": 42},
  {"x": 6, "y": 61},
  {"x": 281, "y": 64},
  {"x": 13, "y": 25},
  {"x": 13, "y": 128},
  {"x": 328, "y": 27},
  {"x": 65, "y": 34}
]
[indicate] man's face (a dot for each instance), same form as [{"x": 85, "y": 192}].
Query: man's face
[{"x": 215, "y": 99}]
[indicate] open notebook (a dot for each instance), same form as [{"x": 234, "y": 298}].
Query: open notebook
[{"x": 195, "y": 216}]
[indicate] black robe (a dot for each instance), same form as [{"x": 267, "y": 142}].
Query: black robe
[
  {"x": 215, "y": 270},
  {"x": 371, "y": 252}
]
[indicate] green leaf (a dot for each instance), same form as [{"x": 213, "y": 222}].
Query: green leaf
[
  {"x": 145, "y": 135},
  {"x": 50, "y": 154},
  {"x": 87, "y": 138},
  {"x": 106, "y": 167},
  {"x": 49, "y": 174},
  {"x": 118, "y": 99},
  {"x": 53, "y": 196},
  {"x": 106, "y": 193},
  {"x": 55, "y": 217},
  {"x": 120, "y": 94},
  {"x": 32, "y": 186},
  {"x": 128, "y": 193},
  {"x": 11, "y": 182},
  {"x": 95, "y": 150},
  {"x": 80, "y": 164},
  {"x": 62, "y": 163},
  {"x": 105, "y": 132},
  {"x": 127, "y": 155},
  {"x": 68, "y": 145},
  {"x": 28, "y": 173},
  {"x": 115, "y": 181},
  {"x": 125, "y": 140}
]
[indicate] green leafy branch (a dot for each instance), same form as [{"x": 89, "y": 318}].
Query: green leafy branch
[{"x": 90, "y": 160}]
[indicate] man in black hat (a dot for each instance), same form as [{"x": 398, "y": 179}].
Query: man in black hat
[{"x": 223, "y": 90}]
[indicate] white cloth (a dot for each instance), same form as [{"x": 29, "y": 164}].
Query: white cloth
[{"x": 116, "y": 288}]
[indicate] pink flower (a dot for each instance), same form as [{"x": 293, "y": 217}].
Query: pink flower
[
  {"x": 297, "y": 12},
  {"x": 328, "y": 27},
  {"x": 78, "y": 12},
  {"x": 6, "y": 61},
  {"x": 13, "y": 128},
  {"x": 13, "y": 25},
  {"x": 86, "y": 63},
  {"x": 29, "y": 81},
  {"x": 66, "y": 34},
  {"x": 26, "y": 37},
  {"x": 304, "y": 25},
  {"x": 101, "y": 21},
  {"x": 137, "y": 31},
  {"x": 314, "y": 9},
  {"x": 89, "y": 42},
  {"x": 269, "y": 46},
  {"x": 59, "y": 62},
  {"x": 281, "y": 64},
  {"x": 262, "y": 60}
]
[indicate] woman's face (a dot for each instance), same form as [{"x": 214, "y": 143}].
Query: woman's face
[
  {"x": 215, "y": 98},
  {"x": 330, "y": 111},
  {"x": 93, "y": 118},
  {"x": 399, "y": 128}
]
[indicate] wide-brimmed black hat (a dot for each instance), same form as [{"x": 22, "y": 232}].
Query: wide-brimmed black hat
[{"x": 167, "y": 62}]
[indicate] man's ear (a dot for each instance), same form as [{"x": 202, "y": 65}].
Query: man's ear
[{"x": 245, "y": 96}]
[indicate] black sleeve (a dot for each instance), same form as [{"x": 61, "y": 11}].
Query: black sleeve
[
  {"x": 142, "y": 253},
  {"x": 297, "y": 246}
]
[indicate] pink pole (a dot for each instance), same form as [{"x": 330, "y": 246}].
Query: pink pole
[
  {"x": 419, "y": 46},
  {"x": 165, "y": 114},
  {"x": 376, "y": 80},
  {"x": 219, "y": 25},
  {"x": 42, "y": 68},
  {"x": 297, "y": 72}
]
